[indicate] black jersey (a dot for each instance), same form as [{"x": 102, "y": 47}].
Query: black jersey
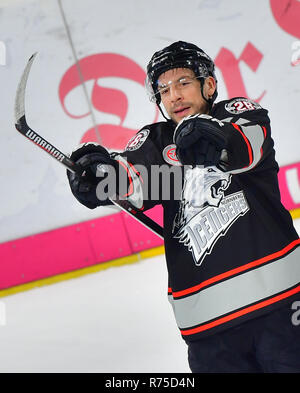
[{"x": 231, "y": 249}]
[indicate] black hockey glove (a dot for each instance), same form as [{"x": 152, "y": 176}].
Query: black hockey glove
[
  {"x": 199, "y": 140},
  {"x": 83, "y": 185}
]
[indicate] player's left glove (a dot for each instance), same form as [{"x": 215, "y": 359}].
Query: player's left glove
[
  {"x": 88, "y": 157},
  {"x": 199, "y": 140}
]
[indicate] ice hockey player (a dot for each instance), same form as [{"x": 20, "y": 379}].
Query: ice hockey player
[{"x": 232, "y": 253}]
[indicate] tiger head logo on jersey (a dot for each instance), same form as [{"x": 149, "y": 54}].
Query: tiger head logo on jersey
[
  {"x": 205, "y": 212},
  {"x": 205, "y": 186}
]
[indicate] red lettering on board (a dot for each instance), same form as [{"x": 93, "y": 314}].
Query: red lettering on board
[
  {"x": 107, "y": 100},
  {"x": 229, "y": 67},
  {"x": 287, "y": 15}
]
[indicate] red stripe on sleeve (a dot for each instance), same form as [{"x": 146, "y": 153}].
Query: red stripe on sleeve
[
  {"x": 250, "y": 154},
  {"x": 130, "y": 189}
]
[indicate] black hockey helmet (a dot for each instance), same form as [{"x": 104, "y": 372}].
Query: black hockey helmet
[{"x": 180, "y": 54}]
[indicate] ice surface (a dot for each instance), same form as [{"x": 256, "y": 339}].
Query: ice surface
[{"x": 117, "y": 320}]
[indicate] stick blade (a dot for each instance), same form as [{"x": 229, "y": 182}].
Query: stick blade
[{"x": 20, "y": 95}]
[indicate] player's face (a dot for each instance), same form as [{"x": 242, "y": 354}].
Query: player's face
[{"x": 181, "y": 94}]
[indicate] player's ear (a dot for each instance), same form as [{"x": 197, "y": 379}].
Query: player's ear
[{"x": 209, "y": 86}]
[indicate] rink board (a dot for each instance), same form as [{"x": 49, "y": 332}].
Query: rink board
[{"x": 74, "y": 247}]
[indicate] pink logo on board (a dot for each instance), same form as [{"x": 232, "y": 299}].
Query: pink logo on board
[
  {"x": 104, "y": 99},
  {"x": 287, "y": 15}
]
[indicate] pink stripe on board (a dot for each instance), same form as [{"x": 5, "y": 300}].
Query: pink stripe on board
[
  {"x": 62, "y": 250},
  {"x": 108, "y": 238},
  {"x": 140, "y": 237},
  {"x": 289, "y": 184}
]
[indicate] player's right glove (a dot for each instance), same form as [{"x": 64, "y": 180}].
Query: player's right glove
[
  {"x": 83, "y": 186},
  {"x": 200, "y": 140}
]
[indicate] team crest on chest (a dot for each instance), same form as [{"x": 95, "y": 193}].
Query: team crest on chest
[
  {"x": 137, "y": 141},
  {"x": 169, "y": 155}
]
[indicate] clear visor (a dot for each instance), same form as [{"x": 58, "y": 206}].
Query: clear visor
[
  {"x": 149, "y": 90},
  {"x": 163, "y": 89}
]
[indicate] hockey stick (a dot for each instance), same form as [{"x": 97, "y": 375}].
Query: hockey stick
[{"x": 24, "y": 129}]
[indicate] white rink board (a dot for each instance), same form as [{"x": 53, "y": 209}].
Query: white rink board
[{"x": 35, "y": 196}]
